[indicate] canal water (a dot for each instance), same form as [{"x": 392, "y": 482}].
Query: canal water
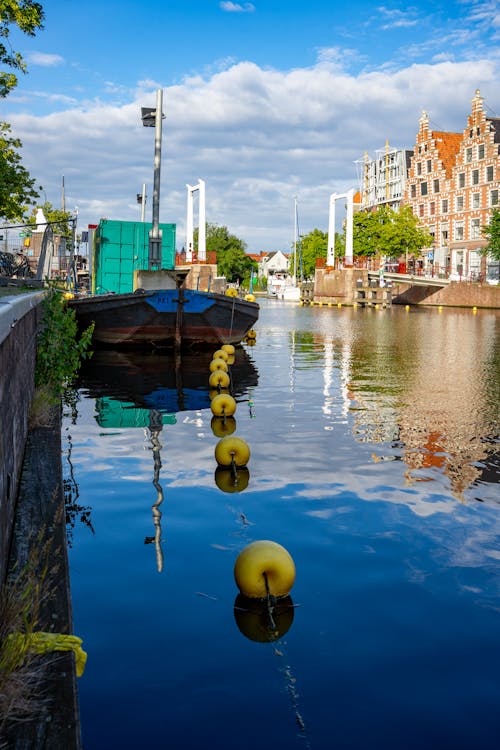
[{"x": 374, "y": 462}]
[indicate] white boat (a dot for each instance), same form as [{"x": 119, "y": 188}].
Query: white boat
[{"x": 291, "y": 292}]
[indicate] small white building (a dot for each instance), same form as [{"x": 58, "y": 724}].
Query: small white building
[{"x": 274, "y": 267}]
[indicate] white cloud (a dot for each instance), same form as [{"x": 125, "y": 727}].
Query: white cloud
[
  {"x": 44, "y": 59},
  {"x": 257, "y": 137},
  {"x": 237, "y": 8}
]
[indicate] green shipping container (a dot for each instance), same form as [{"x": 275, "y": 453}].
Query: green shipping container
[{"x": 122, "y": 247}]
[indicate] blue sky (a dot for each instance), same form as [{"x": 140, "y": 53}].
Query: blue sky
[{"x": 264, "y": 101}]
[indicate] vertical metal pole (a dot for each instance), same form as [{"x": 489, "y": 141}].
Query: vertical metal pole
[
  {"x": 143, "y": 203},
  {"x": 348, "y": 230},
  {"x": 295, "y": 241},
  {"x": 155, "y": 238},
  {"x": 330, "y": 258},
  {"x": 189, "y": 224},
  {"x": 202, "y": 241}
]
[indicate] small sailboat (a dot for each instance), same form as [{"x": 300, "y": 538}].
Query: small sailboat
[{"x": 291, "y": 292}]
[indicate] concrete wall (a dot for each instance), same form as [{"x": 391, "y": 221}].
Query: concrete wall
[
  {"x": 455, "y": 294},
  {"x": 332, "y": 285},
  {"x": 19, "y": 319},
  {"x": 340, "y": 286}
]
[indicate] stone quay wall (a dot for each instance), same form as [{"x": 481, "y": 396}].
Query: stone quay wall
[{"x": 19, "y": 319}]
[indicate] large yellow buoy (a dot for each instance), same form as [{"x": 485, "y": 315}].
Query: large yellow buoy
[
  {"x": 250, "y": 297},
  {"x": 264, "y": 568},
  {"x": 220, "y": 354},
  {"x": 223, "y": 426},
  {"x": 231, "y": 292},
  {"x": 229, "y": 348},
  {"x": 251, "y": 334},
  {"x": 218, "y": 364},
  {"x": 223, "y": 405},
  {"x": 219, "y": 379},
  {"x": 231, "y": 451},
  {"x": 213, "y": 392}
]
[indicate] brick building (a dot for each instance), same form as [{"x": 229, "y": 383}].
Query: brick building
[{"x": 452, "y": 187}]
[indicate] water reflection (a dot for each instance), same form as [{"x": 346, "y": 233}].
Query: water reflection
[
  {"x": 258, "y": 622},
  {"x": 414, "y": 389},
  {"x": 148, "y": 390}
]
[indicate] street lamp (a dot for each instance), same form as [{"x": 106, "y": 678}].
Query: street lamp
[{"x": 151, "y": 119}]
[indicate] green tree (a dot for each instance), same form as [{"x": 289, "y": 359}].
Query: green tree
[
  {"x": 232, "y": 260},
  {"x": 388, "y": 232},
  {"x": 492, "y": 233},
  {"x": 313, "y": 245},
  {"x": 27, "y": 16},
  {"x": 17, "y": 188}
]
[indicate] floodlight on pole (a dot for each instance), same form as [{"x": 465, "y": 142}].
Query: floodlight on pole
[{"x": 153, "y": 118}]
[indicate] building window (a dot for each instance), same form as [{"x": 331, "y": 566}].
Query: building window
[
  {"x": 476, "y": 200},
  {"x": 432, "y": 208},
  {"x": 494, "y": 198},
  {"x": 475, "y": 229},
  {"x": 423, "y": 188},
  {"x": 419, "y": 167},
  {"x": 429, "y": 165},
  {"x": 413, "y": 191},
  {"x": 421, "y": 209},
  {"x": 444, "y": 236},
  {"x": 444, "y": 207},
  {"x": 480, "y": 151},
  {"x": 436, "y": 186},
  {"x": 475, "y": 176},
  {"x": 459, "y": 203},
  {"x": 489, "y": 174},
  {"x": 459, "y": 231},
  {"x": 461, "y": 180},
  {"x": 468, "y": 155}
]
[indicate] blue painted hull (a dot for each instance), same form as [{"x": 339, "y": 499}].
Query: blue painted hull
[{"x": 157, "y": 319}]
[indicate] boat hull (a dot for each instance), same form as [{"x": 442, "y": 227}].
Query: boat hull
[{"x": 165, "y": 318}]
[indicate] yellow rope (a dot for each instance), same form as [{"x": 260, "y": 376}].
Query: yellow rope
[{"x": 42, "y": 643}]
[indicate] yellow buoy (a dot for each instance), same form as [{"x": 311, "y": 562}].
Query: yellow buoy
[
  {"x": 231, "y": 292},
  {"x": 264, "y": 568},
  {"x": 407, "y": 307},
  {"x": 251, "y": 342},
  {"x": 339, "y": 304},
  {"x": 230, "y": 359},
  {"x": 213, "y": 392},
  {"x": 440, "y": 308},
  {"x": 219, "y": 379},
  {"x": 474, "y": 309},
  {"x": 220, "y": 354},
  {"x": 223, "y": 405},
  {"x": 232, "y": 450},
  {"x": 228, "y": 348},
  {"x": 222, "y": 426},
  {"x": 218, "y": 364},
  {"x": 251, "y": 334},
  {"x": 250, "y": 297},
  {"x": 229, "y": 481}
]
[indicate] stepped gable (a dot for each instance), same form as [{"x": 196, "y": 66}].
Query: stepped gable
[{"x": 447, "y": 146}]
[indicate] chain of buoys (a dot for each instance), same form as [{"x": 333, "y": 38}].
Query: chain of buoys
[{"x": 231, "y": 452}]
